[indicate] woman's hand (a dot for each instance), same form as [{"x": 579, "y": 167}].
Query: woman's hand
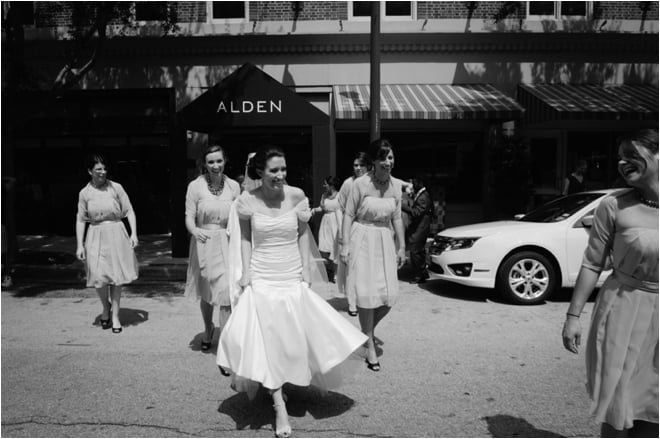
[
  {"x": 400, "y": 257},
  {"x": 200, "y": 235},
  {"x": 134, "y": 240},
  {"x": 344, "y": 254},
  {"x": 245, "y": 280},
  {"x": 307, "y": 275},
  {"x": 572, "y": 334},
  {"x": 80, "y": 253}
]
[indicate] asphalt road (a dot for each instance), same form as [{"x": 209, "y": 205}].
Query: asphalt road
[{"x": 456, "y": 362}]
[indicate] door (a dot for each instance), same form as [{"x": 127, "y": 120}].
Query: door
[{"x": 545, "y": 167}]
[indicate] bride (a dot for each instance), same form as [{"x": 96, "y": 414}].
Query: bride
[{"x": 280, "y": 331}]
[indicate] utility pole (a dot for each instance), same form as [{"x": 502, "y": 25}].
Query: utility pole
[{"x": 374, "y": 105}]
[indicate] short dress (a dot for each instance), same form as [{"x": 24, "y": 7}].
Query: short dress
[
  {"x": 372, "y": 268},
  {"x": 281, "y": 331},
  {"x": 208, "y": 265},
  {"x": 330, "y": 224},
  {"x": 342, "y": 270},
  {"x": 622, "y": 345},
  {"x": 110, "y": 259}
]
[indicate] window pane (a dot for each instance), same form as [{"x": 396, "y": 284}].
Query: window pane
[
  {"x": 398, "y": 9},
  {"x": 228, "y": 10},
  {"x": 361, "y": 9},
  {"x": 541, "y": 8},
  {"x": 150, "y": 11},
  {"x": 25, "y": 11},
  {"x": 574, "y": 8}
]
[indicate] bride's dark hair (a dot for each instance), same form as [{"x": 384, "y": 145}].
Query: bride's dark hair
[{"x": 258, "y": 162}]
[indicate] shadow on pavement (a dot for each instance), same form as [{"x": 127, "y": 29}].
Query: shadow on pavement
[
  {"x": 165, "y": 289},
  {"x": 301, "y": 400},
  {"x": 39, "y": 289},
  {"x": 457, "y": 291},
  {"x": 132, "y": 317},
  {"x": 510, "y": 426}
]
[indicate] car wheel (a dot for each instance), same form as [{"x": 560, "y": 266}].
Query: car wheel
[{"x": 526, "y": 278}]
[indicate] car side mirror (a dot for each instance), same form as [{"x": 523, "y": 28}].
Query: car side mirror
[
  {"x": 519, "y": 216},
  {"x": 587, "y": 221}
]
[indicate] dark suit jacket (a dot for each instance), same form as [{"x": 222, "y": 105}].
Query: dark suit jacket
[{"x": 420, "y": 212}]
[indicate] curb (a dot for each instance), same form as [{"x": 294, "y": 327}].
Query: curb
[{"x": 76, "y": 274}]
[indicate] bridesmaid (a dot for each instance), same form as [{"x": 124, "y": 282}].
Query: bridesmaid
[
  {"x": 330, "y": 224},
  {"x": 622, "y": 345},
  {"x": 108, "y": 249},
  {"x": 361, "y": 164},
  {"x": 208, "y": 200},
  {"x": 372, "y": 254}
]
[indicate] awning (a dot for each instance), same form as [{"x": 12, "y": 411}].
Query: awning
[
  {"x": 249, "y": 98},
  {"x": 546, "y": 102},
  {"x": 426, "y": 101}
]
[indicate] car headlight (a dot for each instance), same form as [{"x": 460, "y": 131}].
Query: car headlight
[{"x": 444, "y": 243}]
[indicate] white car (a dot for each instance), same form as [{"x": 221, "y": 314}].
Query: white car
[{"x": 524, "y": 259}]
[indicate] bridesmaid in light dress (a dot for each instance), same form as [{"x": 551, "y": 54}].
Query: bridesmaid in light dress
[
  {"x": 208, "y": 200},
  {"x": 330, "y": 225},
  {"x": 622, "y": 346},
  {"x": 108, "y": 249},
  {"x": 376, "y": 244}
]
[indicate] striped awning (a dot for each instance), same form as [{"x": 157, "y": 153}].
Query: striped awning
[
  {"x": 546, "y": 102},
  {"x": 426, "y": 101}
]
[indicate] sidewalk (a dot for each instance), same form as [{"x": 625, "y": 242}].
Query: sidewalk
[{"x": 53, "y": 259}]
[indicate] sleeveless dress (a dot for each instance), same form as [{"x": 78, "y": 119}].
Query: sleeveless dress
[
  {"x": 207, "y": 267},
  {"x": 110, "y": 259},
  {"x": 372, "y": 268},
  {"x": 622, "y": 345},
  {"x": 330, "y": 224},
  {"x": 280, "y": 331}
]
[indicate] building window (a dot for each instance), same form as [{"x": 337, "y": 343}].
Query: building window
[
  {"x": 150, "y": 11},
  {"x": 227, "y": 11},
  {"x": 25, "y": 12},
  {"x": 558, "y": 10},
  {"x": 388, "y": 10}
]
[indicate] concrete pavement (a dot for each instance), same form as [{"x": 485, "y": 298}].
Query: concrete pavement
[{"x": 456, "y": 362}]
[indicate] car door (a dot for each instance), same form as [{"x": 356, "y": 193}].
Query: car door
[{"x": 577, "y": 236}]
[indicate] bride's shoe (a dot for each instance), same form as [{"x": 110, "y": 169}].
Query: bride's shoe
[{"x": 282, "y": 430}]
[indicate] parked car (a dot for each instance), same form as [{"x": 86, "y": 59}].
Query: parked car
[{"x": 525, "y": 259}]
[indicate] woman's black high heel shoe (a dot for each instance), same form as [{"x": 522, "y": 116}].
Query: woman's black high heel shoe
[
  {"x": 116, "y": 330},
  {"x": 105, "y": 324},
  {"x": 223, "y": 371},
  {"x": 206, "y": 345},
  {"x": 373, "y": 366}
]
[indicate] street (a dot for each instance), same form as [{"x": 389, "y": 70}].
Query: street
[{"x": 456, "y": 362}]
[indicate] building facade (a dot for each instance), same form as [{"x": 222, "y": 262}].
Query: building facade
[{"x": 457, "y": 78}]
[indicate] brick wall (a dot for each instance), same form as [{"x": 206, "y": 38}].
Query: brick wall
[
  {"x": 626, "y": 10},
  {"x": 304, "y": 11},
  {"x": 190, "y": 12},
  {"x": 483, "y": 9},
  {"x": 52, "y": 14}
]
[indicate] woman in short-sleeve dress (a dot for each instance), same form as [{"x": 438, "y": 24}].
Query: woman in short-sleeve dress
[
  {"x": 361, "y": 164},
  {"x": 330, "y": 224},
  {"x": 108, "y": 249},
  {"x": 373, "y": 212},
  {"x": 208, "y": 201},
  {"x": 622, "y": 345}
]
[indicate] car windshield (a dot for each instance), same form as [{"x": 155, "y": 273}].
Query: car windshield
[{"x": 561, "y": 208}]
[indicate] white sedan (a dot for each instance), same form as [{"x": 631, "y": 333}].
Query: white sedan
[{"x": 524, "y": 259}]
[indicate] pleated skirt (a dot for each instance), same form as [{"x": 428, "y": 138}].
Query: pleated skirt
[
  {"x": 282, "y": 332},
  {"x": 207, "y": 269},
  {"x": 622, "y": 356},
  {"x": 372, "y": 269},
  {"x": 110, "y": 259}
]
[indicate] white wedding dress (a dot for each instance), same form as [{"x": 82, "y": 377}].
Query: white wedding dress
[{"x": 280, "y": 331}]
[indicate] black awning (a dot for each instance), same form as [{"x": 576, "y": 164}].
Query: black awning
[
  {"x": 249, "y": 98},
  {"x": 549, "y": 102}
]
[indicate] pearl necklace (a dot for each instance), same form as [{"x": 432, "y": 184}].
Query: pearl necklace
[
  {"x": 647, "y": 202},
  {"x": 381, "y": 182},
  {"x": 217, "y": 191}
]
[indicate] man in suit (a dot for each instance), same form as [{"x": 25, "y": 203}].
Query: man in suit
[{"x": 420, "y": 212}]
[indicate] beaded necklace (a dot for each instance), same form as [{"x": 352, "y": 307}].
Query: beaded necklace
[
  {"x": 217, "y": 191},
  {"x": 381, "y": 182},
  {"x": 647, "y": 202}
]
